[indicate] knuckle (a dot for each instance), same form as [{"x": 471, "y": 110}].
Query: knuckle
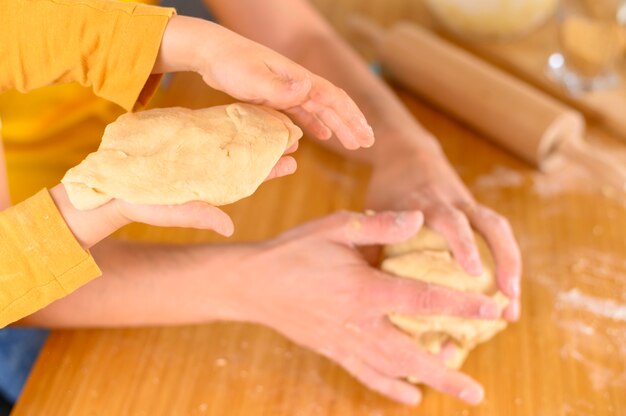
[
  {"x": 502, "y": 223},
  {"x": 382, "y": 220},
  {"x": 497, "y": 220},
  {"x": 486, "y": 213},
  {"x": 329, "y": 97},
  {"x": 373, "y": 295},
  {"x": 427, "y": 299},
  {"x": 342, "y": 217},
  {"x": 450, "y": 216},
  {"x": 459, "y": 219},
  {"x": 402, "y": 365}
]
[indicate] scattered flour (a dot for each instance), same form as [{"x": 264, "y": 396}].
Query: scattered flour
[
  {"x": 592, "y": 326},
  {"x": 565, "y": 178},
  {"x": 500, "y": 177},
  {"x": 607, "y": 308}
]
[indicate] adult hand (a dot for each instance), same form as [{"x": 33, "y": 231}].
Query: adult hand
[
  {"x": 254, "y": 73},
  {"x": 424, "y": 180},
  {"x": 313, "y": 285}
]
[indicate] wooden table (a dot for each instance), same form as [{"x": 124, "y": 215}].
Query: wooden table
[{"x": 566, "y": 357}]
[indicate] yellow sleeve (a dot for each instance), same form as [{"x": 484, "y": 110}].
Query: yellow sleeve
[
  {"x": 40, "y": 260},
  {"x": 109, "y": 46}
]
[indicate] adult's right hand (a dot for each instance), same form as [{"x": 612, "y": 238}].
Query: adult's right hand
[{"x": 313, "y": 285}]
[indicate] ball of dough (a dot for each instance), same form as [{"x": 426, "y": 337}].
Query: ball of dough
[
  {"x": 170, "y": 156},
  {"x": 427, "y": 257}
]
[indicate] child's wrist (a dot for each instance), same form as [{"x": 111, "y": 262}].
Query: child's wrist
[
  {"x": 182, "y": 45},
  {"x": 89, "y": 227}
]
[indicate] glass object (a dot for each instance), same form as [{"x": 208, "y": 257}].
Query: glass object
[
  {"x": 591, "y": 45},
  {"x": 492, "y": 19}
]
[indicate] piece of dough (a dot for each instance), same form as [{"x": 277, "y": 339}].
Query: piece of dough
[
  {"x": 426, "y": 257},
  {"x": 175, "y": 155}
]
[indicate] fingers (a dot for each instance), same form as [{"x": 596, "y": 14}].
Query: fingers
[
  {"x": 310, "y": 123},
  {"x": 286, "y": 165},
  {"x": 409, "y": 297},
  {"x": 456, "y": 229},
  {"x": 285, "y": 85},
  {"x": 397, "y": 355},
  {"x": 292, "y": 149},
  {"x": 330, "y": 118},
  {"x": 395, "y": 389},
  {"x": 190, "y": 215},
  {"x": 448, "y": 351},
  {"x": 506, "y": 253},
  {"x": 512, "y": 311},
  {"x": 340, "y": 113},
  {"x": 381, "y": 228}
]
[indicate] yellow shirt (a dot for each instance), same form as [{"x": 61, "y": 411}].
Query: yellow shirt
[
  {"x": 107, "y": 46},
  {"x": 40, "y": 114}
]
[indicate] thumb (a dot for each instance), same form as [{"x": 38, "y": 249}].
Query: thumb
[
  {"x": 381, "y": 228},
  {"x": 193, "y": 214},
  {"x": 285, "y": 166}
]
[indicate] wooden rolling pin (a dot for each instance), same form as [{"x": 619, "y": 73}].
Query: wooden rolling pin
[{"x": 520, "y": 118}]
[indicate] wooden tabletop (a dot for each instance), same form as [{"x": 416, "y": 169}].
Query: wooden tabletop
[{"x": 566, "y": 357}]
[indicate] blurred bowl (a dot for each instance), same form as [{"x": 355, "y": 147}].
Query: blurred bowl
[{"x": 492, "y": 19}]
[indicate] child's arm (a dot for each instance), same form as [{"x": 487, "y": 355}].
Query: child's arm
[
  {"x": 108, "y": 46},
  {"x": 44, "y": 242},
  {"x": 5, "y": 198},
  {"x": 114, "y": 48},
  {"x": 254, "y": 73}
]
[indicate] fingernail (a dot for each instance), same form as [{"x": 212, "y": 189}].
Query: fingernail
[
  {"x": 513, "y": 311},
  {"x": 411, "y": 398},
  {"x": 514, "y": 288},
  {"x": 227, "y": 230},
  {"x": 370, "y": 132},
  {"x": 400, "y": 219},
  {"x": 489, "y": 311},
  {"x": 472, "y": 395},
  {"x": 475, "y": 265}
]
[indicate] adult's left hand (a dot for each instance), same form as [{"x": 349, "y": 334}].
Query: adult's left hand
[{"x": 425, "y": 181}]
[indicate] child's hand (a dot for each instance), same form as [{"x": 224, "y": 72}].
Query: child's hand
[
  {"x": 92, "y": 226},
  {"x": 253, "y": 73}
]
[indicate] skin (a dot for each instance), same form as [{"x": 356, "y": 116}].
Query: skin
[
  {"x": 336, "y": 286},
  {"x": 269, "y": 282},
  {"x": 251, "y": 72},
  {"x": 91, "y": 227},
  {"x": 419, "y": 177}
]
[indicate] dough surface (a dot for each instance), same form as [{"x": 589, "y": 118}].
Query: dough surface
[
  {"x": 427, "y": 257},
  {"x": 175, "y": 155}
]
